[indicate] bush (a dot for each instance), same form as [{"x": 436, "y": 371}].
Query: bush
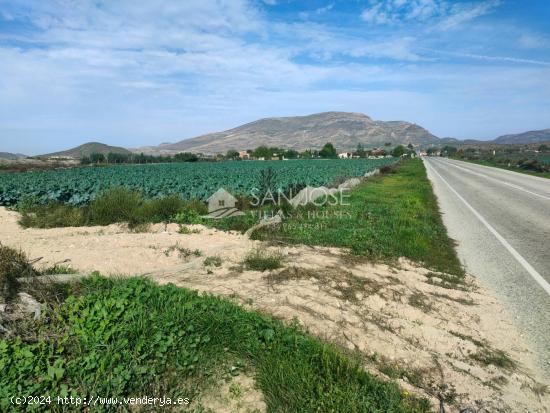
[
  {"x": 163, "y": 209},
  {"x": 188, "y": 216},
  {"x": 51, "y": 215},
  {"x": 261, "y": 260},
  {"x": 13, "y": 265},
  {"x": 115, "y": 205}
]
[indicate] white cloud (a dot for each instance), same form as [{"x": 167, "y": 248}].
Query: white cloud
[
  {"x": 460, "y": 14},
  {"x": 160, "y": 71},
  {"x": 445, "y": 14},
  {"x": 530, "y": 41}
]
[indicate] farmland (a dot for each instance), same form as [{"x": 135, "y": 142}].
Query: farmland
[{"x": 79, "y": 186}]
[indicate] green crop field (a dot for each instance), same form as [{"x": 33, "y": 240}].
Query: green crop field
[{"x": 78, "y": 186}]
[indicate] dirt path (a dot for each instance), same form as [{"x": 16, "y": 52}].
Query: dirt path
[{"x": 436, "y": 341}]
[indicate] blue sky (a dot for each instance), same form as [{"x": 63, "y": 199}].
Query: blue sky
[{"x": 141, "y": 73}]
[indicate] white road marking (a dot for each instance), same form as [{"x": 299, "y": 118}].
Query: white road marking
[
  {"x": 498, "y": 180},
  {"x": 536, "y": 276}
]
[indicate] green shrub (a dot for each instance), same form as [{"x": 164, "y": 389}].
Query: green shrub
[
  {"x": 115, "y": 205},
  {"x": 261, "y": 260},
  {"x": 162, "y": 209},
  {"x": 52, "y": 215},
  {"x": 197, "y": 205},
  {"x": 188, "y": 216},
  {"x": 13, "y": 265}
]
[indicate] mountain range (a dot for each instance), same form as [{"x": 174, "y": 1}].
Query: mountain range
[
  {"x": 345, "y": 130},
  {"x": 11, "y": 156},
  {"x": 87, "y": 149}
]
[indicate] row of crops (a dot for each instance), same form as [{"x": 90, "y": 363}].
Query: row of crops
[{"x": 78, "y": 186}]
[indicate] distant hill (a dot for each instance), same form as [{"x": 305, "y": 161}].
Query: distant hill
[
  {"x": 86, "y": 150},
  {"x": 11, "y": 156},
  {"x": 534, "y": 136},
  {"x": 345, "y": 130}
]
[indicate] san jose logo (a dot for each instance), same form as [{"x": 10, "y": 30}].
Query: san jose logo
[{"x": 222, "y": 204}]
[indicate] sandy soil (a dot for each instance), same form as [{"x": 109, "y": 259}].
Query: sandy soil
[{"x": 436, "y": 340}]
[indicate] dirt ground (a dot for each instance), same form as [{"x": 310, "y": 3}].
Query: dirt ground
[{"x": 405, "y": 322}]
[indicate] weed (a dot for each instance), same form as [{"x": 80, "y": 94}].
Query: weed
[
  {"x": 460, "y": 300},
  {"x": 466, "y": 337},
  {"x": 488, "y": 356},
  {"x": 235, "y": 391},
  {"x": 345, "y": 283},
  {"x": 420, "y": 301},
  {"x": 262, "y": 260},
  {"x": 13, "y": 265},
  {"x": 448, "y": 281},
  {"x": 183, "y": 253},
  {"x": 212, "y": 262},
  {"x": 187, "y": 231},
  {"x": 59, "y": 269}
]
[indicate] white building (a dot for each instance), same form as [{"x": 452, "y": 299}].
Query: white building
[{"x": 345, "y": 155}]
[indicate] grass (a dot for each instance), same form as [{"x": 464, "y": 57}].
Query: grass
[
  {"x": 262, "y": 260},
  {"x": 393, "y": 215},
  {"x": 59, "y": 269},
  {"x": 127, "y": 337}
]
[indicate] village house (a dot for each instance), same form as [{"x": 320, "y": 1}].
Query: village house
[
  {"x": 345, "y": 155},
  {"x": 244, "y": 155},
  {"x": 221, "y": 204},
  {"x": 221, "y": 199}
]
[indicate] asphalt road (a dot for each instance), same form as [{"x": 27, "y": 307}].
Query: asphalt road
[{"x": 501, "y": 222}]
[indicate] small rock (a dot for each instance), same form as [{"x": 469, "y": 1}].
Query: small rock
[{"x": 27, "y": 304}]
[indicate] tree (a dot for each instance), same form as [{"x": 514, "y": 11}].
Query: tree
[
  {"x": 113, "y": 157},
  {"x": 290, "y": 154},
  {"x": 387, "y": 144},
  {"x": 232, "y": 154},
  {"x": 449, "y": 150},
  {"x": 543, "y": 148},
  {"x": 186, "y": 157},
  {"x": 97, "y": 158},
  {"x": 360, "y": 151},
  {"x": 328, "y": 151},
  {"x": 265, "y": 152},
  {"x": 410, "y": 146},
  {"x": 399, "y": 151},
  {"x": 306, "y": 154}
]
